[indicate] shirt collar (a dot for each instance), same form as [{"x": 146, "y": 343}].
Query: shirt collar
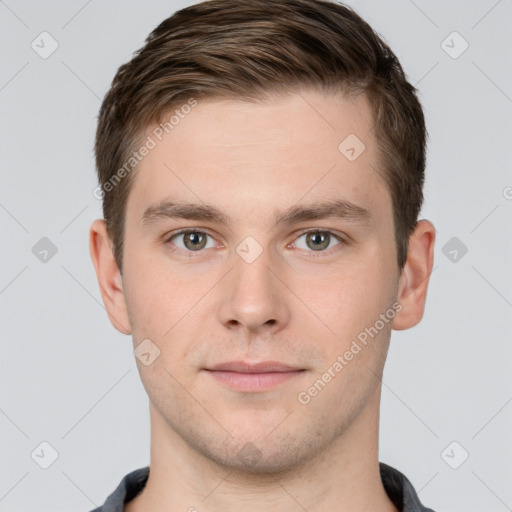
[{"x": 397, "y": 486}]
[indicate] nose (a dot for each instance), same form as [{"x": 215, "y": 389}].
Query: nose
[{"x": 253, "y": 297}]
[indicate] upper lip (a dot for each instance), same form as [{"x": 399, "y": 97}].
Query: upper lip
[{"x": 245, "y": 367}]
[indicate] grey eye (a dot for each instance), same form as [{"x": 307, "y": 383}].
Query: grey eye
[
  {"x": 317, "y": 240},
  {"x": 192, "y": 240}
]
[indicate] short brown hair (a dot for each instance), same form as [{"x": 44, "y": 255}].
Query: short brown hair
[{"x": 248, "y": 50}]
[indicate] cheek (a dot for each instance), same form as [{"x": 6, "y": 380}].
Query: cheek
[
  {"x": 353, "y": 297},
  {"x": 156, "y": 299},
  {"x": 164, "y": 306}
]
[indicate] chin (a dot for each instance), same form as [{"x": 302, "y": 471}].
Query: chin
[{"x": 260, "y": 457}]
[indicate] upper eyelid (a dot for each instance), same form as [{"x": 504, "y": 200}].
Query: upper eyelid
[
  {"x": 169, "y": 237},
  {"x": 319, "y": 230},
  {"x": 339, "y": 238}
]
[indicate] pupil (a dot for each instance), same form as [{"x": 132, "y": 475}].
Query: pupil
[
  {"x": 195, "y": 240},
  {"x": 320, "y": 242}
]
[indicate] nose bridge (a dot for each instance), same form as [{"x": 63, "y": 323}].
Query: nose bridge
[{"x": 252, "y": 296}]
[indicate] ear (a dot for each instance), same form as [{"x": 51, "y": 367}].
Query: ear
[
  {"x": 413, "y": 283},
  {"x": 109, "y": 276}
]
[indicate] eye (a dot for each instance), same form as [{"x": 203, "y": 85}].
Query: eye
[
  {"x": 192, "y": 240},
  {"x": 317, "y": 240}
]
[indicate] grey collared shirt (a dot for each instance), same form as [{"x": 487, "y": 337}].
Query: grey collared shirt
[{"x": 399, "y": 489}]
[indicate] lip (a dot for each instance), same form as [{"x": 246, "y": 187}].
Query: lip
[
  {"x": 245, "y": 367},
  {"x": 253, "y": 377}
]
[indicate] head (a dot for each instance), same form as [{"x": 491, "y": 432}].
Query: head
[{"x": 272, "y": 118}]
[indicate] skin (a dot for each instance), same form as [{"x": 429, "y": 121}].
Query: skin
[{"x": 293, "y": 304}]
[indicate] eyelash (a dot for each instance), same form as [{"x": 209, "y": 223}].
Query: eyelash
[{"x": 192, "y": 254}]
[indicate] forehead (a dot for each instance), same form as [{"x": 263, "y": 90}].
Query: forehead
[{"x": 252, "y": 156}]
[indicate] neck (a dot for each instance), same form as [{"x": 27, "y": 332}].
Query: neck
[{"x": 343, "y": 477}]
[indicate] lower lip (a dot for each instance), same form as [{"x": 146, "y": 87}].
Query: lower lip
[{"x": 252, "y": 382}]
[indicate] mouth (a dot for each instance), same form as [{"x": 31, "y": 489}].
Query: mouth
[{"x": 253, "y": 377}]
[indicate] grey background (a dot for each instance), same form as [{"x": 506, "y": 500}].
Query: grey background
[{"x": 70, "y": 379}]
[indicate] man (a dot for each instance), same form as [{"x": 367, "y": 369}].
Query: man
[{"x": 261, "y": 166}]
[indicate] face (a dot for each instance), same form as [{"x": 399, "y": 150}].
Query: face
[{"x": 298, "y": 262}]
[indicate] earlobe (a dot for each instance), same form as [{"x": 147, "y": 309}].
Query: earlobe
[
  {"x": 109, "y": 276},
  {"x": 413, "y": 284}
]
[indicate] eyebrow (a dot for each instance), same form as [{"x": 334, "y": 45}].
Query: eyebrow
[{"x": 341, "y": 209}]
